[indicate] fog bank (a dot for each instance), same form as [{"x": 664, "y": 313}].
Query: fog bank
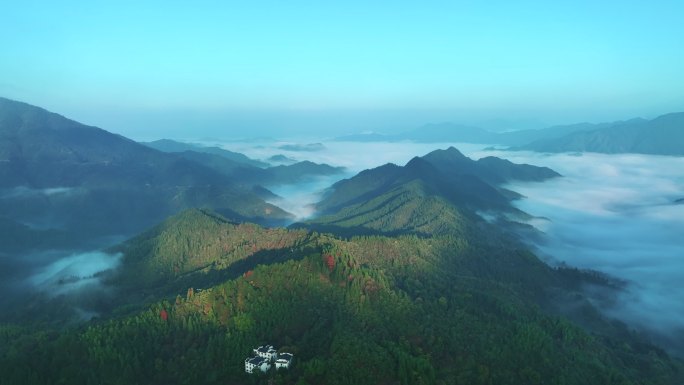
[
  {"x": 74, "y": 272},
  {"x": 54, "y": 285},
  {"x": 617, "y": 214}
]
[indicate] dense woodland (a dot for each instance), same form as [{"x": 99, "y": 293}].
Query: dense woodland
[{"x": 454, "y": 308}]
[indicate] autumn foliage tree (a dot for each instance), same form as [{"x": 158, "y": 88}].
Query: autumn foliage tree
[{"x": 329, "y": 261}]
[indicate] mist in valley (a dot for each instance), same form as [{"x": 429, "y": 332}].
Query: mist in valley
[
  {"x": 57, "y": 285},
  {"x": 73, "y": 273},
  {"x": 616, "y": 214}
]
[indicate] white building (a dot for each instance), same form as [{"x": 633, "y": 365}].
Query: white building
[
  {"x": 264, "y": 356},
  {"x": 266, "y": 351},
  {"x": 257, "y": 362},
  {"x": 283, "y": 361}
]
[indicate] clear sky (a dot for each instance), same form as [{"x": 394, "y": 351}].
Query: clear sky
[{"x": 145, "y": 68}]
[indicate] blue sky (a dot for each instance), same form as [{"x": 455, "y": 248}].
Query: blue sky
[{"x": 147, "y": 68}]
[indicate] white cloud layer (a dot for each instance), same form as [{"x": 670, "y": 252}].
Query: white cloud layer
[
  {"x": 22, "y": 191},
  {"x": 617, "y": 214}
]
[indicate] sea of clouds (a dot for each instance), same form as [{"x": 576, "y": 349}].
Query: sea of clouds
[
  {"x": 72, "y": 278},
  {"x": 617, "y": 214},
  {"x": 73, "y": 273}
]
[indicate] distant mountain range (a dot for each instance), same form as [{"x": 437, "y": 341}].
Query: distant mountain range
[
  {"x": 280, "y": 158},
  {"x": 451, "y": 132},
  {"x": 245, "y": 171},
  {"x": 660, "y": 136},
  {"x": 309, "y": 147},
  {"x": 663, "y": 135},
  {"x": 168, "y": 145}
]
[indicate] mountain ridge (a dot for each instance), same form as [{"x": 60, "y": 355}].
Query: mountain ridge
[
  {"x": 659, "y": 136},
  {"x": 425, "y": 196},
  {"x": 453, "y": 132},
  {"x": 137, "y": 185},
  {"x": 173, "y": 146},
  {"x": 663, "y": 135}
]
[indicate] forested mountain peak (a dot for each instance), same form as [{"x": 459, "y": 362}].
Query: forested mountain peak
[
  {"x": 490, "y": 169},
  {"x": 448, "y": 173},
  {"x": 451, "y": 154},
  {"x": 429, "y": 195}
]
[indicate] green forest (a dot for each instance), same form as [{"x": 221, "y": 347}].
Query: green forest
[{"x": 195, "y": 294}]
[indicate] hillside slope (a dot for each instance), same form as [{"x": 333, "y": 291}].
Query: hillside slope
[
  {"x": 367, "y": 310},
  {"x": 60, "y": 173}
]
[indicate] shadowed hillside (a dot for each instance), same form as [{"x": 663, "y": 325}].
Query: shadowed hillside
[{"x": 55, "y": 172}]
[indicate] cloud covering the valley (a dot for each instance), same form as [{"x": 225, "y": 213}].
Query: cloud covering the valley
[
  {"x": 67, "y": 284},
  {"x": 616, "y": 214},
  {"x": 74, "y": 272}
]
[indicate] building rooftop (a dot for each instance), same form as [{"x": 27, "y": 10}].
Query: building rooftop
[
  {"x": 265, "y": 349},
  {"x": 256, "y": 360}
]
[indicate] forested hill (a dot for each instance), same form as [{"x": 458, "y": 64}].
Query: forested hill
[
  {"x": 472, "y": 183},
  {"x": 663, "y": 135},
  {"x": 429, "y": 195},
  {"x": 368, "y": 310},
  {"x": 490, "y": 169},
  {"x": 197, "y": 248},
  {"x": 93, "y": 182}
]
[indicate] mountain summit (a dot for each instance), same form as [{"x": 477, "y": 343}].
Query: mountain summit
[{"x": 430, "y": 194}]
